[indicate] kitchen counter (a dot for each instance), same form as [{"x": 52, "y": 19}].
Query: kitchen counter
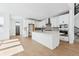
[{"x": 49, "y": 39}]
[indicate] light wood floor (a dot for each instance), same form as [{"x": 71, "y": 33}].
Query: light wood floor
[{"x": 32, "y": 48}]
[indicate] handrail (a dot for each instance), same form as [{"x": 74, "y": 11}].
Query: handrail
[
  {"x": 76, "y": 27},
  {"x": 76, "y": 8}
]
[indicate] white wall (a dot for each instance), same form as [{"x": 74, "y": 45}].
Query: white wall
[
  {"x": 4, "y": 31},
  {"x": 71, "y": 24},
  {"x": 71, "y": 27},
  {"x": 24, "y": 28},
  {"x": 12, "y": 26}
]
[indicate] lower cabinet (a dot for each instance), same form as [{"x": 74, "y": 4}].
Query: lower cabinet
[{"x": 64, "y": 38}]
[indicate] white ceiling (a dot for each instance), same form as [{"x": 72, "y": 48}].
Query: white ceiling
[{"x": 33, "y": 10}]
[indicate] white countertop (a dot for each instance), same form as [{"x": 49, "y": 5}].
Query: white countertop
[{"x": 47, "y": 32}]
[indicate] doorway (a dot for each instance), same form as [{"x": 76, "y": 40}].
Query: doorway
[
  {"x": 17, "y": 30},
  {"x": 31, "y": 29}
]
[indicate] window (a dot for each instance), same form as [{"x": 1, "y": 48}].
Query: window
[{"x": 1, "y": 21}]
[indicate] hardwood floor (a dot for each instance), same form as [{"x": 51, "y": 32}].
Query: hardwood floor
[{"x": 32, "y": 48}]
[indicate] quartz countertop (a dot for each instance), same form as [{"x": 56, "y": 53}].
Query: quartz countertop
[{"x": 47, "y": 32}]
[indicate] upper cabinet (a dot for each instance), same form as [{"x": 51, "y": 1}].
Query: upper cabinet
[
  {"x": 64, "y": 19},
  {"x": 41, "y": 24},
  {"x": 54, "y": 22}
]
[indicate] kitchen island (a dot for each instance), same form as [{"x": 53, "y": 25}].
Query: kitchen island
[{"x": 49, "y": 39}]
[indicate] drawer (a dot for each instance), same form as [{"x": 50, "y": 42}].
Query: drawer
[{"x": 64, "y": 38}]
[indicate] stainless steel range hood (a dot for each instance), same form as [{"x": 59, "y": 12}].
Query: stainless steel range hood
[{"x": 48, "y": 25}]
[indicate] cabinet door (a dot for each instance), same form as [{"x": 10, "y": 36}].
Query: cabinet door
[
  {"x": 63, "y": 19},
  {"x": 54, "y": 22}
]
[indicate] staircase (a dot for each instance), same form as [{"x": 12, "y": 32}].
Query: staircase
[
  {"x": 76, "y": 31},
  {"x": 76, "y": 14},
  {"x": 76, "y": 27}
]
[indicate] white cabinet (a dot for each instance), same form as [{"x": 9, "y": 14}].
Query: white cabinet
[
  {"x": 64, "y": 38},
  {"x": 64, "y": 19},
  {"x": 54, "y": 22},
  {"x": 49, "y": 39},
  {"x": 42, "y": 23}
]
